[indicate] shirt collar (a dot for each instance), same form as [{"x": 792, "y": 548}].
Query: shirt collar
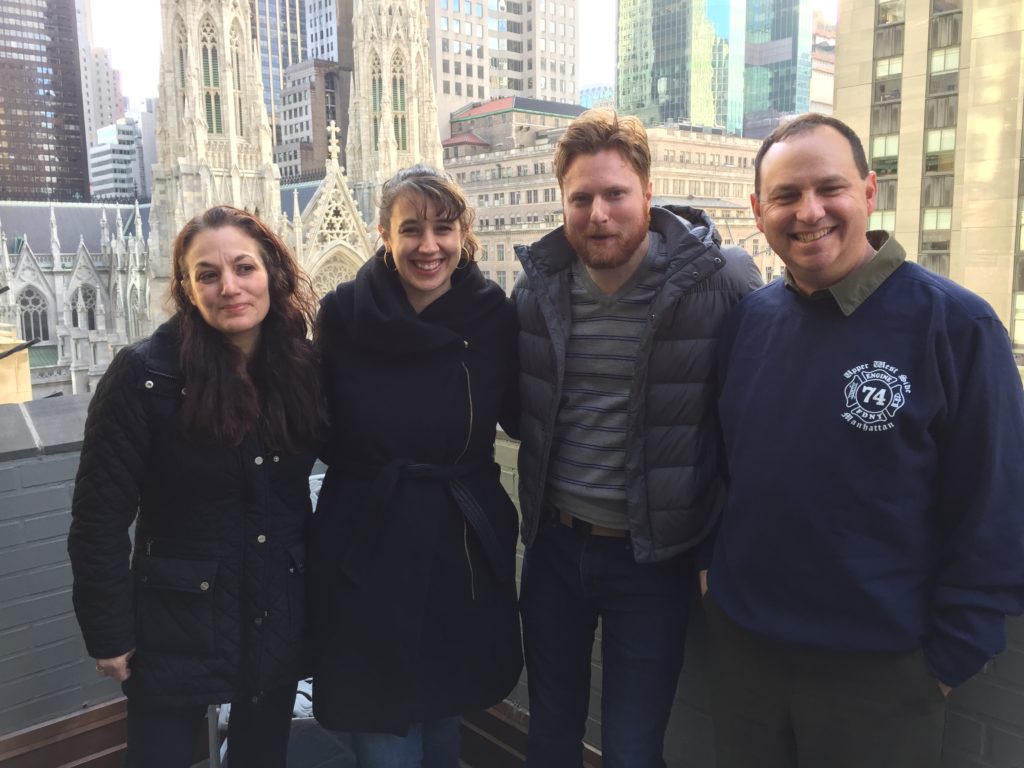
[{"x": 854, "y": 289}]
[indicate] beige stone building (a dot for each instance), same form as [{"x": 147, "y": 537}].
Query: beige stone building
[
  {"x": 935, "y": 89},
  {"x": 502, "y": 152}
]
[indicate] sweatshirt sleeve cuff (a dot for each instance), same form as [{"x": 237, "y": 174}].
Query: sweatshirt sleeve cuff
[{"x": 952, "y": 661}]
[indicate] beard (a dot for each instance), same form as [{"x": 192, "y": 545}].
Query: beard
[{"x": 612, "y": 251}]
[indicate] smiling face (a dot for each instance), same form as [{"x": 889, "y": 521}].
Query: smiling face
[
  {"x": 813, "y": 207},
  {"x": 226, "y": 280},
  {"x": 606, "y": 206},
  {"x": 425, "y": 247}
]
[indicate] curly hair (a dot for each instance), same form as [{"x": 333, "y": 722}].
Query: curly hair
[
  {"x": 280, "y": 381},
  {"x": 437, "y": 187}
]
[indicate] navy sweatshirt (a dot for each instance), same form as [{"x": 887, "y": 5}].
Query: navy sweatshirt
[{"x": 876, "y": 464}]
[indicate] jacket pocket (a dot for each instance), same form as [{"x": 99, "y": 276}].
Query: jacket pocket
[{"x": 174, "y": 605}]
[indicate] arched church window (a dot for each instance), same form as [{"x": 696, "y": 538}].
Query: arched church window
[
  {"x": 134, "y": 314},
  {"x": 399, "y": 118},
  {"x": 236, "y": 76},
  {"x": 210, "y": 59},
  {"x": 330, "y": 275},
  {"x": 35, "y": 322},
  {"x": 83, "y": 308},
  {"x": 179, "y": 44},
  {"x": 377, "y": 91}
]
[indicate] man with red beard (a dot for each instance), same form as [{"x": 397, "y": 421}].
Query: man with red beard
[{"x": 620, "y": 310}]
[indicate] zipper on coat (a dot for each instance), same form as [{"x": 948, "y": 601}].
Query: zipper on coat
[
  {"x": 469, "y": 397},
  {"x": 149, "y": 546},
  {"x": 469, "y": 561},
  {"x": 469, "y": 436}
]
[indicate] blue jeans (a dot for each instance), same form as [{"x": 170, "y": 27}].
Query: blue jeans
[
  {"x": 433, "y": 744},
  {"x": 570, "y": 579}
]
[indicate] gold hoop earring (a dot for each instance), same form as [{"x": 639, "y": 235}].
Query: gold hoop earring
[
  {"x": 390, "y": 264},
  {"x": 464, "y": 258}
]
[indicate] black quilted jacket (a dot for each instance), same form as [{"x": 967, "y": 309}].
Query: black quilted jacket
[{"x": 214, "y": 601}]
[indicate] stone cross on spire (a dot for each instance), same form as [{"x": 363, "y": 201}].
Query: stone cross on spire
[{"x": 332, "y": 144}]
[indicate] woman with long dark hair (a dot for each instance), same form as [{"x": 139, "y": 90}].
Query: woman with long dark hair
[
  {"x": 203, "y": 435},
  {"x": 412, "y": 558}
]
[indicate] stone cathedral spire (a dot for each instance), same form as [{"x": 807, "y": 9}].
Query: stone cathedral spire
[
  {"x": 213, "y": 137},
  {"x": 393, "y": 112}
]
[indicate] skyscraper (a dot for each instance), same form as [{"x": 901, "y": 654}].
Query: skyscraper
[
  {"x": 42, "y": 135},
  {"x": 279, "y": 28},
  {"x": 934, "y": 89},
  {"x": 480, "y": 49},
  {"x": 329, "y": 30},
  {"x": 681, "y": 61},
  {"x": 777, "y": 77}
]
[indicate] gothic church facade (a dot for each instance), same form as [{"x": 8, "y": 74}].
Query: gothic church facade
[{"x": 214, "y": 146}]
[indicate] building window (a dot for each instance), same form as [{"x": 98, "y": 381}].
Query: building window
[
  {"x": 84, "y": 300},
  {"x": 940, "y": 146},
  {"x": 400, "y": 119},
  {"x": 890, "y": 12},
  {"x": 889, "y": 67},
  {"x": 210, "y": 58},
  {"x": 181, "y": 56},
  {"x": 882, "y": 220},
  {"x": 936, "y": 218},
  {"x": 236, "y": 76},
  {"x": 35, "y": 322},
  {"x": 376, "y": 96},
  {"x": 134, "y": 315},
  {"x": 884, "y": 154}
]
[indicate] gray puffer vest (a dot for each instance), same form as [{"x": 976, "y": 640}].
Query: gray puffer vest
[{"x": 673, "y": 466}]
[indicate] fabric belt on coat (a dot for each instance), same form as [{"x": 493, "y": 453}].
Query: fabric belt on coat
[{"x": 369, "y": 528}]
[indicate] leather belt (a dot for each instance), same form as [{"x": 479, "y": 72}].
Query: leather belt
[{"x": 594, "y": 530}]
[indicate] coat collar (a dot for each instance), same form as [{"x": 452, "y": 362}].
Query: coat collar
[
  {"x": 377, "y": 315},
  {"x": 163, "y": 349}
]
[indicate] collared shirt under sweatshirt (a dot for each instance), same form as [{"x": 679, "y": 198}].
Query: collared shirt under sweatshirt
[{"x": 874, "y": 434}]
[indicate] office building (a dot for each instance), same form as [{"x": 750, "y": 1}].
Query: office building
[
  {"x": 279, "y": 28},
  {"x": 742, "y": 66},
  {"x": 682, "y": 62},
  {"x": 484, "y": 49},
  {"x": 823, "y": 66},
  {"x": 777, "y": 75},
  {"x": 314, "y": 93},
  {"x": 934, "y": 88},
  {"x": 102, "y": 100},
  {"x": 502, "y": 153},
  {"x": 42, "y": 124},
  {"x": 116, "y": 163},
  {"x": 329, "y": 31}
]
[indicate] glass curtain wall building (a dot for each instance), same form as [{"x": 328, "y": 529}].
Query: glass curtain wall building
[
  {"x": 682, "y": 62},
  {"x": 42, "y": 123},
  {"x": 779, "y": 42}
]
